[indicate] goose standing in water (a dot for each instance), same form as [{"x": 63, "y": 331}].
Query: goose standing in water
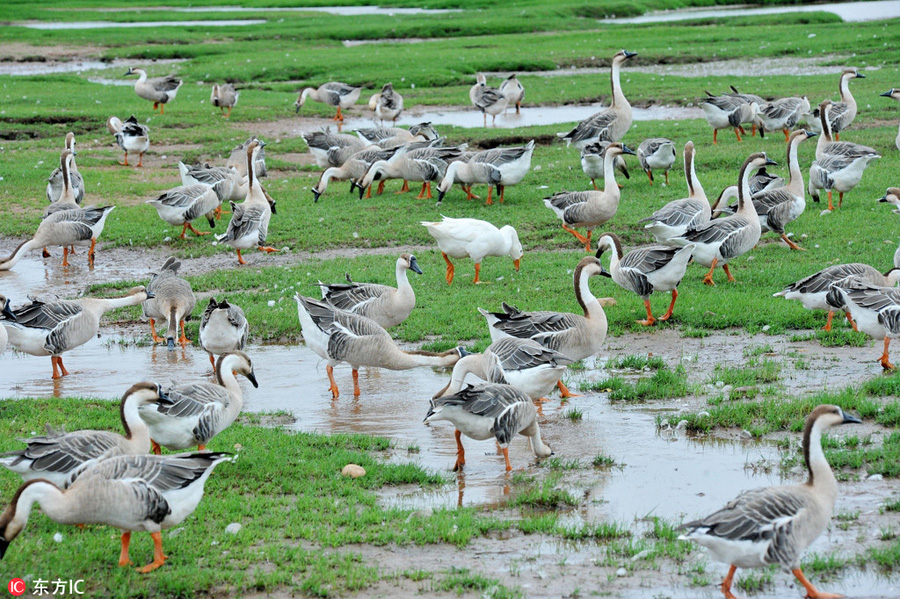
[
  {"x": 158, "y": 90},
  {"x": 173, "y": 301},
  {"x": 774, "y": 525},
  {"x": 489, "y": 100},
  {"x": 56, "y": 181},
  {"x": 514, "y": 91},
  {"x": 610, "y": 124},
  {"x": 52, "y": 328},
  {"x": 475, "y": 239},
  {"x": 676, "y": 218},
  {"x": 223, "y": 329},
  {"x": 489, "y": 411},
  {"x": 132, "y": 493}
]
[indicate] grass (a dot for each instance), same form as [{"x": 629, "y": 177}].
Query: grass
[{"x": 664, "y": 383}]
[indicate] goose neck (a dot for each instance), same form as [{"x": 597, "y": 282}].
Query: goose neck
[
  {"x": 583, "y": 294},
  {"x": 45, "y": 494},
  {"x": 745, "y": 202},
  {"x": 136, "y": 431},
  {"x": 820, "y": 475},
  {"x": 844, "y": 88},
  {"x": 609, "y": 174},
  {"x": 795, "y": 184},
  {"x": 618, "y": 98},
  {"x": 695, "y": 189}
]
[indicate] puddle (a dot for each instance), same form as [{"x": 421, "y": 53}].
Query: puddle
[
  {"x": 136, "y": 24},
  {"x": 74, "y": 66},
  {"x": 848, "y": 11},
  {"x": 529, "y": 117},
  {"x": 350, "y": 11}
]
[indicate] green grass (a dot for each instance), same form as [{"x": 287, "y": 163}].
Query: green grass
[{"x": 664, "y": 383}]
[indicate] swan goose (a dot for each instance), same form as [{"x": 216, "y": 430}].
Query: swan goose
[
  {"x": 610, "y": 124},
  {"x": 505, "y": 166},
  {"x": 469, "y": 237},
  {"x": 132, "y": 492},
  {"x": 486, "y": 412},
  {"x": 719, "y": 241},
  {"x": 339, "y": 336},
  {"x": 230, "y": 182},
  {"x": 590, "y": 208},
  {"x": 173, "y": 301},
  {"x": 467, "y": 172},
  {"x": 180, "y": 205},
  {"x": 389, "y": 137},
  {"x": 198, "y": 411},
  {"x": 58, "y": 456},
  {"x": 514, "y": 91},
  {"x": 843, "y": 112},
  {"x": 647, "y": 269},
  {"x": 5, "y": 312},
  {"x": 66, "y": 199},
  {"x": 838, "y": 165},
  {"x": 389, "y": 104},
  {"x": 783, "y": 114},
  {"x": 874, "y": 309},
  {"x": 523, "y": 363},
  {"x": 812, "y": 291},
  {"x": 223, "y": 329},
  {"x": 425, "y": 164},
  {"x": 224, "y": 96},
  {"x": 56, "y": 181},
  {"x": 388, "y": 306},
  {"x": 676, "y": 218},
  {"x": 334, "y": 93},
  {"x": 656, "y": 153},
  {"x": 592, "y": 161},
  {"x": 489, "y": 100},
  {"x": 763, "y": 180},
  {"x": 131, "y": 137},
  {"x": 728, "y": 111},
  {"x": 321, "y": 143},
  {"x": 575, "y": 336},
  {"x": 52, "y": 328},
  {"x": 354, "y": 168},
  {"x": 249, "y": 225},
  {"x": 895, "y": 94},
  {"x": 158, "y": 90},
  {"x": 774, "y": 525}
]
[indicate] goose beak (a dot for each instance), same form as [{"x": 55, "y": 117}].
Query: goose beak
[
  {"x": 849, "y": 419},
  {"x": 8, "y": 312},
  {"x": 361, "y": 191},
  {"x": 629, "y": 54},
  {"x": 888, "y": 94},
  {"x": 164, "y": 398},
  {"x": 860, "y": 75},
  {"x": 810, "y": 133},
  {"x": 627, "y": 150},
  {"x": 604, "y": 272},
  {"x": 252, "y": 378},
  {"x": 770, "y": 162},
  {"x": 170, "y": 343},
  {"x": 884, "y": 199},
  {"x": 414, "y": 266},
  {"x": 150, "y": 294},
  {"x": 462, "y": 353},
  {"x": 130, "y": 72},
  {"x": 516, "y": 263},
  {"x": 296, "y": 107},
  {"x": 441, "y": 194},
  {"x": 316, "y": 194}
]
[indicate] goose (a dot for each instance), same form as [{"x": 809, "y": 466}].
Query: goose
[
  {"x": 389, "y": 137},
  {"x": 573, "y": 335},
  {"x": 783, "y": 114},
  {"x": 774, "y": 525},
  {"x": 249, "y": 224},
  {"x": 422, "y": 164},
  {"x": 224, "y": 96},
  {"x": 719, "y": 241},
  {"x": 778, "y": 207},
  {"x": 238, "y": 159},
  {"x": 647, "y": 269},
  {"x": 223, "y": 329},
  {"x": 131, "y": 137},
  {"x": 198, "y": 411},
  {"x": 843, "y": 112},
  {"x": 52, "y": 328},
  {"x": 892, "y": 197},
  {"x": 334, "y": 93},
  {"x": 592, "y": 161},
  {"x": 320, "y": 143},
  {"x": 513, "y": 164},
  {"x": 339, "y": 336},
  {"x": 180, "y": 205},
  {"x": 748, "y": 99},
  {"x": 173, "y": 301},
  {"x": 838, "y": 165},
  {"x": 676, "y": 218},
  {"x": 66, "y": 228},
  {"x": 895, "y": 94},
  {"x": 486, "y": 412},
  {"x": 5, "y": 312},
  {"x": 514, "y": 91},
  {"x": 158, "y": 90},
  {"x": 473, "y": 238},
  {"x": 523, "y": 363},
  {"x": 656, "y": 153},
  {"x": 812, "y": 291},
  {"x": 590, "y": 208},
  {"x": 230, "y": 182},
  {"x": 468, "y": 173},
  {"x": 387, "y": 306},
  {"x": 727, "y": 111},
  {"x": 763, "y": 180},
  {"x": 56, "y": 181},
  {"x": 132, "y": 492},
  {"x": 874, "y": 309},
  {"x": 610, "y": 124},
  {"x": 389, "y": 104},
  {"x": 489, "y": 100},
  {"x": 354, "y": 168},
  {"x": 66, "y": 199},
  {"x": 58, "y": 456}
]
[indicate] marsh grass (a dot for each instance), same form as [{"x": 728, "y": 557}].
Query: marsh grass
[{"x": 662, "y": 384}]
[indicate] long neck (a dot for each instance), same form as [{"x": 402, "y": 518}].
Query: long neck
[
  {"x": 795, "y": 184},
  {"x": 225, "y": 377},
  {"x": 51, "y": 499},
  {"x": 68, "y": 194},
  {"x": 695, "y": 189},
  {"x": 583, "y": 294},
  {"x": 402, "y": 278},
  {"x": 117, "y": 302},
  {"x": 411, "y": 359},
  {"x": 609, "y": 175},
  {"x": 820, "y": 475},
  {"x": 844, "y": 88},
  {"x": 825, "y": 138},
  {"x": 473, "y": 364},
  {"x": 450, "y": 176},
  {"x": 537, "y": 444},
  {"x": 309, "y": 92},
  {"x": 136, "y": 430},
  {"x": 618, "y": 98},
  {"x": 615, "y": 257},
  {"x": 10, "y": 261},
  {"x": 142, "y": 75},
  {"x": 745, "y": 204}
]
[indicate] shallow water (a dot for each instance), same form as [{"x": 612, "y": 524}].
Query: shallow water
[
  {"x": 72, "y": 66},
  {"x": 336, "y": 10},
  {"x": 848, "y": 11},
  {"x": 138, "y": 24}
]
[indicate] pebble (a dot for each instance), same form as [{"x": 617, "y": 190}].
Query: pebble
[
  {"x": 621, "y": 572},
  {"x": 353, "y": 471},
  {"x": 58, "y": 537},
  {"x": 745, "y": 434},
  {"x": 875, "y": 477},
  {"x": 271, "y": 303},
  {"x": 233, "y": 528}
]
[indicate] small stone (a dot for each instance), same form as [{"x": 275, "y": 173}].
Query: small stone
[
  {"x": 745, "y": 434},
  {"x": 353, "y": 471},
  {"x": 766, "y": 328},
  {"x": 176, "y": 532},
  {"x": 875, "y": 477},
  {"x": 233, "y": 528},
  {"x": 271, "y": 303},
  {"x": 621, "y": 572},
  {"x": 58, "y": 537},
  {"x": 720, "y": 384}
]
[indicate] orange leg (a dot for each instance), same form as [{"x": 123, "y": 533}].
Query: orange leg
[
  {"x": 380, "y": 188},
  {"x": 594, "y": 183},
  {"x": 708, "y": 279},
  {"x": 156, "y": 338},
  {"x": 183, "y": 340},
  {"x": 715, "y": 135},
  {"x": 126, "y": 159},
  {"x": 650, "y": 320},
  {"x": 56, "y": 374},
  {"x": 267, "y": 249},
  {"x": 91, "y": 252},
  {"x": 840, "y": 198},
  {"x": 489, "y": 200},
  {"x": 426, "y": 191},
  {"x": 333, "y": 386},
  {"x": 212, "y": 361},
  {"x": 57, "y": 361},
  {"x": 460, "y": 453},
  {"x": 828, "y": 323},
  {"x": 450, "y": 268},
  {"x": 241, "y": 258},
  {"x": 405, "y": 187},
  {"x": 837, "y": 137},
  {"x": 668, "y": 313},
  {"x": 502, "y": 189},
  {"x": 506, "y": 457},
  {"x": 155, "y": 447},
  {"x": 124, "y": 560},
  {"x": 162, "y": 108},
  {"x": 201, "y": 447},
  {"x": 187, "y": 226},
  {"x": 884, "y": 356},
  {"x": 141, "y": 159},
  {"x": 229, "y": 112},
  {"x": 338, "y": 116},
  {"x": 65, "y": 261},
  {"x": 577, "y": 235},
  {"x": 369, "y": 192},
  {"x": 738, "y": 133},
  {"x": 45, "y": 253},
  {"x": 564, "y": 391},
  {"x": 355, "y": 383},
  {"x": 650, "y": 176},
  {"x": 728, "y": 272},
  {"x": 811, "y": 591},
  {"x": 830, "y": 205},
  {"x": 477, "y": 274},
  {"x": 667, "y": 178},
  {"x": 787, "y": 136},
  {"x": 159, "y": 557},
  {"x": 851, "y": 321},
  {"x": 155, "y": 105},
  {"x": 790, "y": 243},
  {"x": 726, "y": 584}
]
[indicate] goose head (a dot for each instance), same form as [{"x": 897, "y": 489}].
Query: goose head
[
  {"x": 623, "y": 55},
  {"x": 892, "y": 93},
  {"x": 617, "y": 149},
  {"x": 134, "y": 71},
  {"x": 239, "y": 363},
  {"x": 140, "y": 290},
  {"x": 891, "y": 196},
  {"x": 892, "y": 276},
  {"x": 852, "y": 73},
  {"x": 70, "y": 141},
  {"x": 6, "y": 310},
  {"x": 515, "y": 246},
  {"x": 828, "y": 416},
  {"x": 409, "y": 261},
  {"x": 608, "y": 241}
]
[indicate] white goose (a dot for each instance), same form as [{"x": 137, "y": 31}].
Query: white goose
[
  {"x": 782, "y": 114},
  {"x": 656, "y": 153},
  {"x": 387, "y": 306},
  {"x": 646, "y": 269},
  {"x": 224, "y": 96},
  {"x": 131, "y": 137},
  {"x": 172, "y": 301},
  {"x": 514, "y": 91},
  {"x": 727, "y": 111},
  {"x": 52, "y": 328},
  {"x": 721, "y": 240},
  {"x": 196, "y": 412},
  {"x": 58, "y": 456},
  {"x": 489, "y": 411},
  {"x": 337, "y": 94},
  {"x": 895, "y": 94},
  {"x": 590, "y": 209},
  {"x": 592, "y": 161},
  {"x": 133, "y": 493},
  {"x": 339, "y": 336},
  {"x": 180, "y": 205},
  {"x": 158, "y": 90},
  {"x": 610, "y": 124},
  {"x": 56, "y": 182},
  {"x": 874, "y": 309},
  {"x": 575, "y": 336},
  {"x": 389, "y": 104},
  {"x": 676, "y": 218},
  {"x": 774, "y": 525},
  {"x": 223, "y": 329},
  {"x": 475, "y": 239}
]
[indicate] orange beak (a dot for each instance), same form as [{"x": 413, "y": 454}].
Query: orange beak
[{"x": 516, "y": 264}]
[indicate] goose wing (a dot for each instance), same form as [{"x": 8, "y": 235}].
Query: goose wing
[
  {"x": 40, "y": 315},
  {"x": 822, "y": 280},
  {"x": 245, "y": 220},
  {"x": 684, "y": 212},
  {"x": 63, "y": 453},
  {"x": 593, "y": 126},
  {"x": 521, "y": 354},
  {"x": 717, "y": 231},
  {"x": 352, "y": 296},
  {"x": 540, "y": 326}
]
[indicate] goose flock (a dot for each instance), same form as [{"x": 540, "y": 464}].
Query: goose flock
[{"x": 84, "y": 477}]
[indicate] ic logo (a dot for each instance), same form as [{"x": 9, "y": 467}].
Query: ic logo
[{"x": 16, "y": 587}]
